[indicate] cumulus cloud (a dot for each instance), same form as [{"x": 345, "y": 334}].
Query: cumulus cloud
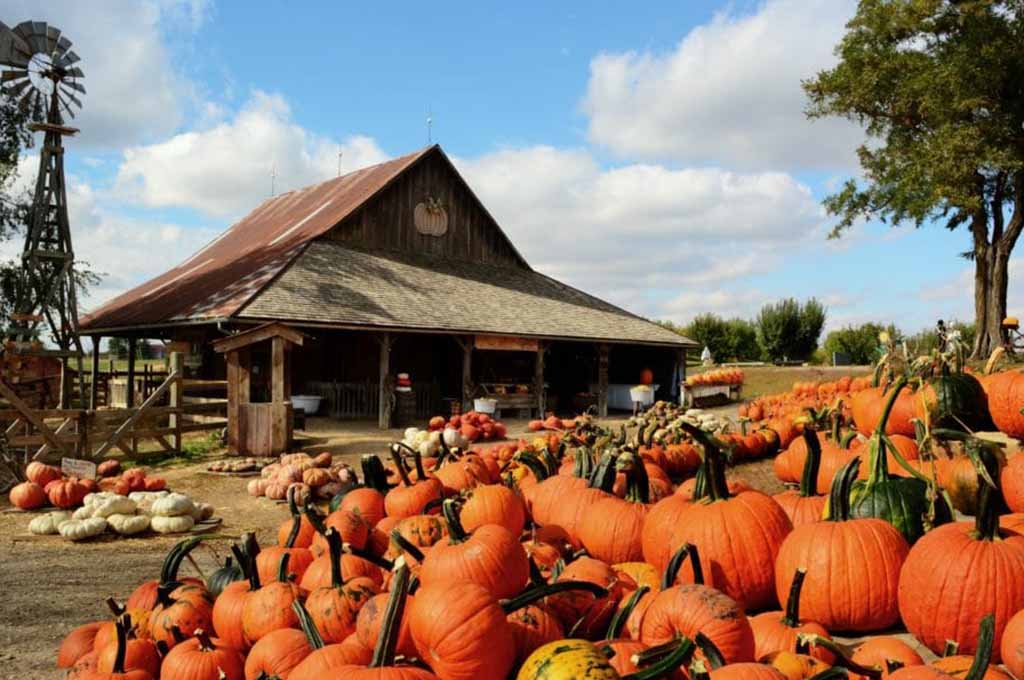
[
  {"x": 635, "y": 234},
  {"x": 728, "y": 94},
  {"x": 225, "y": 170},
  {"x": 134, "y": 93}
]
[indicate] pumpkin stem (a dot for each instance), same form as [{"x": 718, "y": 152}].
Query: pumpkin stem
[
  {"x": 831, "y": 674},
  {"x": 952, "y": 648},
  {"x": 176, "y": 557},
  {"x": 240, "y": 560},
  {"x": 534, "y": 464},
  {"x": 710, "y": 651},
  {"x": 809, "y": 478},
  {"x": 384, "y": 651},
  {"x": 534, "y": 593},
  {"x": 313, "y": 636},
  {"x": 792, "y": 615},
  {"x": 667, "y": 664},
  {"x": 839, "y": 493},
  {"x": 638, "y": 488},
  {"x": 847, "y": 439},
  {"x": 698, "y": 671},
  {"x": 808, "y": 640},
  {"x": 603, "y": 477},
  {"x": 334, "y": 551},
  {"x": 114, "y": 607},
  {"x": 892, "y": 665},
  {"x": 456, "y": 532},
  {"x": 205, "y": 643},
  {"x": 282, "y": 567},
  {"x": 374, "y": 475},
  {"x": 837, "y": 421},
  {"x": 982, "y": 657},
  {"x": 675, "y": 563},
  {"x": 407, "y": 546},
  {"x": 253, "y": 572},
  {"x": 889, "y": 403},
  {"x": 293, "y": 534},
  {"x": 713, "y": 463},
  {"x": 621, "y": 616},
  {"x": 364, "y": 554},
  {"x": 122, "y": 645},
  {"x": 582, "y": 463},
  {"x": 990, "y": 497},
  {"x": 536, "y": 578},
  {"x": 396, "y": 458}
]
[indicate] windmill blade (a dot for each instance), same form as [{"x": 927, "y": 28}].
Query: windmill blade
[
  {"x": 75, "y": 73},
  {"x": 13, "y": 49},
  {"x": 52, "y": 39},
  {"x": 66, "y": 106},
  {"x": 63, "y": 45},
  {"x": 77, "y": 87},
  {"x": 67, "y": 59},
  {"x": 38, "y": 37},
  {"x": 25, "y": 103},
  {"x": 72, "y": 97},
  {"x": 16, "y": 89},
  {"x": 13, "y": 74}
]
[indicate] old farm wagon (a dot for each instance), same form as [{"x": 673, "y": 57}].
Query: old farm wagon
[{"x": 394, "y": 269}]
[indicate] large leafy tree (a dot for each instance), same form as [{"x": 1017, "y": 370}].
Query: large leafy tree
[{"x": 939, "y": 87}]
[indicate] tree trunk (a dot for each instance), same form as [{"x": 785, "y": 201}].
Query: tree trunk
[{"x": 991, "y": 281}]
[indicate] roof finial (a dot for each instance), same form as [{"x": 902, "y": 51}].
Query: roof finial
[
  {"x": 341, "y": 152},
  {"x": 273, "y": 177},
  {"x": 430, "y": 125}
]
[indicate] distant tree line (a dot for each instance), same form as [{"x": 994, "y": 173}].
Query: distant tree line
[
  {"x": 791, "y": 330},
  {"x": 785, "y": 330}
]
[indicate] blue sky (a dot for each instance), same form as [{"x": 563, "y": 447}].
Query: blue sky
[{"x": 654, "y": 154}]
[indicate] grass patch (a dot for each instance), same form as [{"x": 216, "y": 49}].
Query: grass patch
[
  {"x": 762, "y": 380},
  {"x": 193, "y": 449}
]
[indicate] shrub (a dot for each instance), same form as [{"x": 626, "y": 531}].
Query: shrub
[
  {"x": 860, "y": 343},
  {"x": 790, "y": 330}
]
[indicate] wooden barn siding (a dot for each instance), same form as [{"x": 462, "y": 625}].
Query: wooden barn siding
[{"x": 386, "y": 222}]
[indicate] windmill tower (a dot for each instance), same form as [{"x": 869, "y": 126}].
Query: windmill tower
[{"x": 42, "y": 78}]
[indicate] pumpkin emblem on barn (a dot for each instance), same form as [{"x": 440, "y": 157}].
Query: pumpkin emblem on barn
[{"x": 430, "y": 217}]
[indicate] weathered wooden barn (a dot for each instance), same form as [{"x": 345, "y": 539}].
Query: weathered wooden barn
[{"x": 395, "y": 268}]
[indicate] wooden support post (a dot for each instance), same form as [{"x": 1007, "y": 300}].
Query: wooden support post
[
  {"x": 65, "y": 384},
  {"x": 602, "y": 380},
  {"x": 94, "y": 371},
  {"x": 467, "y": 372},
  {"x": 384, "y": 402},
  {"x": 538, "y": 379},
  {"x": 680, "y": 375},
  {"x": 176, "y": 398},
  {"x": 277, "y": 370},
  {"x": 130, "y": 391}
]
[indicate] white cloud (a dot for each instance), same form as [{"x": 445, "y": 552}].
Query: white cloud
[
  {"x": 729, "y": 93},
  {"x": 637, "y": 234},
  {"x": 225, "y": 170},
  {"x": 134, "y": 93}
]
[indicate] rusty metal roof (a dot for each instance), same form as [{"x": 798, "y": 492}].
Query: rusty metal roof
[{"x": 219, "y": 279}]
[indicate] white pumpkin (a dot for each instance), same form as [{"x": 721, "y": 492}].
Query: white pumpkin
[
  {"x": 47, "y": 524},
  {"x": 84, "y": 512},
  {"x": 81, "y": 529},
  {"x": 94, "y": 499},
  {"x": 201, "y": 511},
  {"x": 144, "y": 499},
  {"x": 172, "y": 505},
  {"x": 119, "y": 505},
  {"x": 171, "y": 525},
  {"x": 126, "y": 525},
  {"x": 454, "y": 439}
]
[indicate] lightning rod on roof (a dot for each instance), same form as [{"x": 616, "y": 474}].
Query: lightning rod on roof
[
  {"x": 273, "y": 176},
  {"x": 341, "y": 152},
  {"x": 430, "y": 124}
]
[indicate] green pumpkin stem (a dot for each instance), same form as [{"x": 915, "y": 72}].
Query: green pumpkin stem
[
  {"x": 990, "y": 498},
  {"x": 253, "y": 573},
  {"x": 847, "y": 439},
  {"x": 878, "y": 460},
  {"x": 830, "y": 674},
  {"x": 534, "y": 464},
  {"x": 710, "y": 650},
  {"x": 293, "y": 533},
  {"x": 374, "y": 474},
  {"x": 638, "y": 488},
  {"x": 282, "y": 567},
  {"x": 396, "y": 458},
  {"x": 456, "y": 532},
  {"x": 983, "y": 656},
  {"x": 532, "y": 594},
  {"x": 407, "y": 546},
  {"x": 623, "y": 614},
  {"x": 313, "y": 636},
  {"x": 169, "y": 573},
  {"x": 809, "y": 478},
  {"x": 839, "y": 493},
  {"x": 603, "y": 477},
  {"x": 836, "y": 431},
  {"x": 387, "y": 640},
  {"x": 114, "y": 607},
  {"x": 713, "y": 462},
  {"x": 240, "y": 560},
  {"x": 952, "y": 648},
  {"x": 334, "y": 552},
  {"x": 809, "y": 640},
  {"x": 791, "y": 618},
  {"x": 205, "y": 642},
  {"x": 665, "y": 665},
  {"x": 675, "y": 563},
  {"x": 699, "y": 671}
]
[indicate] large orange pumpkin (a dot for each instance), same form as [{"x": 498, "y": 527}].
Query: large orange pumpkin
[
  {"x": 778, "y": 631},
  {"x": 804, "y": 506},
  {"x": 959, "y": 573},
  {"x": 1005, "y": 398},
  {"x": 27, "y": 496},
  {"x": 612, "y": 529},
  {"x": 853, "y": 565}
]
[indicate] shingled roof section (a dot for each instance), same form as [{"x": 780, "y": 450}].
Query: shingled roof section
[
  {"x": 335, "y": 284},
  {"x": 219, "y": 279}
]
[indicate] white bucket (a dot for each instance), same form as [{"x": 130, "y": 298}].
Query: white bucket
[
  {"x": 309, "y": 403},
  {"x": 487, "y": 406}
]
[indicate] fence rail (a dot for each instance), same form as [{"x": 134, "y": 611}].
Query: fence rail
[
  {"x": 356, "y": 400},
  {"x": 157, "y": 425}
]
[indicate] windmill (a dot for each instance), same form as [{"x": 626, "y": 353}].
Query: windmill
[{"x": 41, "y": 76}]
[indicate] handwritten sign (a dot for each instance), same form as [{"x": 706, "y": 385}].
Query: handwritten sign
[{"x": 74, "y": 467}]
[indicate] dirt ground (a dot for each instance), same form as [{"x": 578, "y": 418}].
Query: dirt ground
[{"x": 48, "y": 586}]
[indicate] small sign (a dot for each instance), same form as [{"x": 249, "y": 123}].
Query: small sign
[
  {"x": 74, "y": 467},
  {"x": 506, "y": 343}
]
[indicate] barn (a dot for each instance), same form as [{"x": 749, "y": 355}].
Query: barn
[{"x": 397, "y": 268}]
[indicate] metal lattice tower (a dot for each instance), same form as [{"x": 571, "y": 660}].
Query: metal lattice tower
[{"x": 41, "y": 77}]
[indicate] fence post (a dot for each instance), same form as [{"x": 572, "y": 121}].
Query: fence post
[{"x": 176, "y": 399}]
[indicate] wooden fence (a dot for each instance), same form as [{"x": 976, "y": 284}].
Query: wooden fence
[
  {"x": 356, "y": 400},
  {"x": 155, "y": 426}
]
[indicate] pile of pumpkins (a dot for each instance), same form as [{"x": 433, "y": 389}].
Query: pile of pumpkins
[
  {"x": 160, "y": 511},
  {"x": 309, "y": 476},
  {"x": 47, "y": 485},
  {"x": 718, "y": 376},
  {"x": 588, "y": 555},
  {"x": 468, "y": 428}
]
